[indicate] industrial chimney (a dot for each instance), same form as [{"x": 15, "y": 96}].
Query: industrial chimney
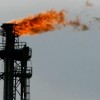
[{"x": 16, "y": 73}]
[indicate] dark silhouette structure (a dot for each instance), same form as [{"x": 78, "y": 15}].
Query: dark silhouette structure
[{"x": 16, "y": 73}]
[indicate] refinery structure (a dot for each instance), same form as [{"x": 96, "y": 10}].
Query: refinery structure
[
  {"x": 17, "y": 73},
  {"x": 15, "y": 54}
]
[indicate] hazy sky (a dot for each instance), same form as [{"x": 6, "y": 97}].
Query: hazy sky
[{"x": 66, "y": 63}]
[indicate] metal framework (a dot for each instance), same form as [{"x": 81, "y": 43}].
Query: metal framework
[{"x": 16, "y": 73}]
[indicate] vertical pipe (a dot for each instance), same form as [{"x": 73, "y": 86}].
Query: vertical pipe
[
  {"x": 23, "y": 79},
  {"x": 9, "y": 67},
  {"x": 8, "y": 62}
]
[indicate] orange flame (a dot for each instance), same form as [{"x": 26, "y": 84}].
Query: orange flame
[{"x": 43, "y": 22}]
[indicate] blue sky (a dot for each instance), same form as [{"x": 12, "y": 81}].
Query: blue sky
[{"x": 65, "y": 62}]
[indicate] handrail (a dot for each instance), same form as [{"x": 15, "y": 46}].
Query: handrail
[{"x": 18, "y": 45}]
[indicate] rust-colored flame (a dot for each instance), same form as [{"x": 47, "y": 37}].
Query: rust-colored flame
[{"x": 43, "y": 22}]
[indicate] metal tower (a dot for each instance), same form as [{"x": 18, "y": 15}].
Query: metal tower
[{"x": 16, "y": 73}]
